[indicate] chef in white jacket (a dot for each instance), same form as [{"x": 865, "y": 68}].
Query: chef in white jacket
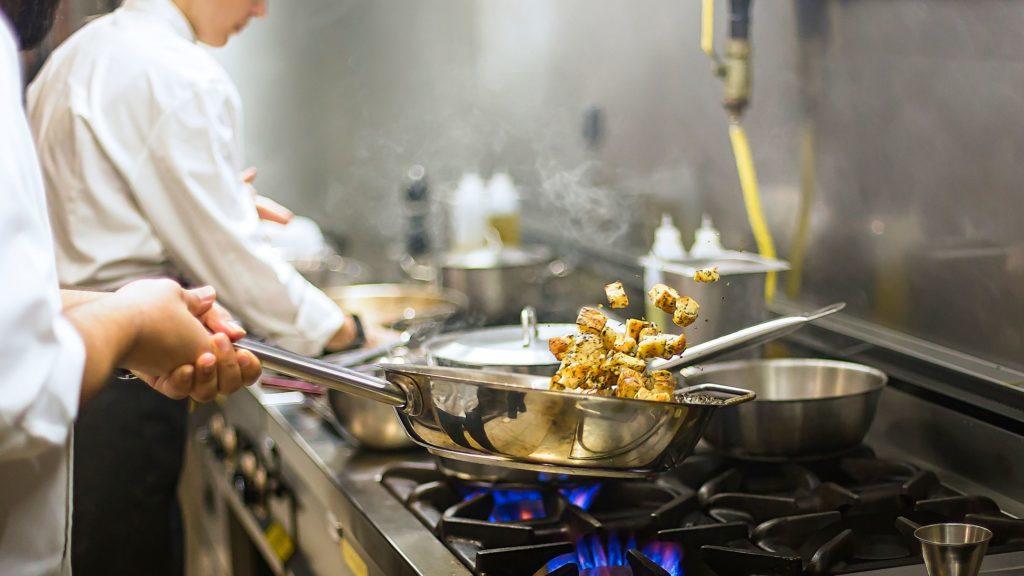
[
  {"x": 60, "y": 345},
  {"x": 138, "y": 131}
]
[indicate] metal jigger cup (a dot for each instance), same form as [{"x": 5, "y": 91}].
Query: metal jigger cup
[{"x": 953, "y": 549}]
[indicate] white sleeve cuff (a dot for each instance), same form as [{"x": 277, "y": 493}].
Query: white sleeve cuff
[{"x": 317, "y": 321}]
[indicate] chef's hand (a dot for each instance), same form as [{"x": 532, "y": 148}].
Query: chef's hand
[
  {"x": 172, "y": 350},
  {"x": 267, "y": 209},
  {"x": 219, "y": 320},
  {"x": 344, "y": 337}
]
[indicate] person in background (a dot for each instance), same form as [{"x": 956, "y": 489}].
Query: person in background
[
  {"x": 139, "y": 133},
  {"x": 61, "y": 345}
]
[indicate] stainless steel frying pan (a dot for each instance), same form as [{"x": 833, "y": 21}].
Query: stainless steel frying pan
[{"x": 513, "y": 420}]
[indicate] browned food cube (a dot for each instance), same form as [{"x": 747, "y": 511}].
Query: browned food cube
[
  {"x": 664, "y": 297},
  {"x": 634, "y": 326},
  {"x": 571, "y": 375},
  {"x": 675, "y": 345},
  {"x": 616, "y": 295},
  {"x": 645, "y": 394},
  {"x": 624, "y": 344},
  {"x": 707, "y": 275},
  {"x": 587, "y": 348},
  {"x": 636, "y": 374},
  {"x": 609, "y": 337},
  {"x": 591, "y": 320},
  {"x": 648, "y": 332},
  {"x": 651, "y": 347},
  {"x": 662, "y": 381},
  {"x": 559, "y": 345},
  {"x": 620, "y": 360},
  {"x": 628, "y": 387},
  {"x": 686, "y": 311},
  {"x": 555, "y": 383}
]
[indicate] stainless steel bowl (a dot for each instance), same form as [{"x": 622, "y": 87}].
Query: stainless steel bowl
[
  {"x": 805, "y": 408},
  {"x": 374, "y": 425},
  {"x": 498, "y": 283}
]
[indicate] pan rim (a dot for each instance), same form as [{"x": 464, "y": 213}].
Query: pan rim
[
  {"x": 428, "y": 370},
  {"x": 880, "y": 382}
]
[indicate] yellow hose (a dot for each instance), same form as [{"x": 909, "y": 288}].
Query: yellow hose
[
  {"x": 798, "y": 249},
  {"x": 707, "y": 28},
  {"x": 752, "y": 200}
]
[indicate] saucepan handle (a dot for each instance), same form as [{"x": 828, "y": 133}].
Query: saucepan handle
[
  {"x": 736, "y": 395},
  {"x": 325, "y": 374}
]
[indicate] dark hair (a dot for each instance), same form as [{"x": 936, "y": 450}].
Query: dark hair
[{"x": 32, "y": 19}]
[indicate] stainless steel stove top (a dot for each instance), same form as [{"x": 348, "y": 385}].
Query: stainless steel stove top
[{"x": 343, "y": 520}]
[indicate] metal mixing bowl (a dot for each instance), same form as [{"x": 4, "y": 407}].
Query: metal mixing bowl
[{"x": 805, "y": 408}]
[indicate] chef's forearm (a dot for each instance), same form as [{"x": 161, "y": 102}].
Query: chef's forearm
[
  {"x": 107, "y": 333},
  {"x": 71, "y": 298}
]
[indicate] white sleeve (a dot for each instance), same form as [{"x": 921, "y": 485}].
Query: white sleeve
[
  {"x": 188, "y": 184},
  {"x": 41, "y": 354}
]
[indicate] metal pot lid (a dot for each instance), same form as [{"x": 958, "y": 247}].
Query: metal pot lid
[
  {"x": 498, "y": 257},
  {"x": 524, "y": 345}
]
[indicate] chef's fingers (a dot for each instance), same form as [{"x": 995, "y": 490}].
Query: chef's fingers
[
  {"x": 229, "y": 374},
  {"x": 249, "y": 175},
  {"x": 177, "y": 385},
  {"x": 272, "y": 211},
  {"x": 249, "y": 366},
  {"x": 199, "y": 300},
  {"x": 217, "y": 319},
  {"x": 205, "y": 387}
]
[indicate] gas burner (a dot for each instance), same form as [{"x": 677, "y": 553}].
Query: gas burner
[
  {"x": 711, "y": 517},
  {"x": 613, "y": 555}
]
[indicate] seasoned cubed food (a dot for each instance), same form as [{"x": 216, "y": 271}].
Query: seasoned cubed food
[
  {"x": 628, "y": 387},
  {"x": 609, "y": 337},
  {"x": 591, "y": 320},
  {"x": 620, "y": 360},
  {"x": 624, "y": 344},
  {"x": 651, "y": 347},
  {"x": 560, "y": 345},
  {"x": 634, "y": 326},
  {"x": 648, "y": 332},
  {"x": 686, "y": 311},
  {"x": 616, "y": 295},
  {"x": 645, "y": 394},
  {"x": 571, "y": 375},
  {"x": 664, "y": 297},
  {"x": 662, "y": 381},
  {"x": 675, "y": 344},
  {"x": 707, "y": 275}
]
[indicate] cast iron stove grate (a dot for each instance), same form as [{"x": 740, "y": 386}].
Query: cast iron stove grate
[{"x": 712, "y": 516}]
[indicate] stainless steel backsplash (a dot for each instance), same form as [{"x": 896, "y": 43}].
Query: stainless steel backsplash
[{"x": 913, "y": 112}]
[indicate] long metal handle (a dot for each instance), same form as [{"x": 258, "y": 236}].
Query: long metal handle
[
  {"x": 738, "y": 395},
  {"x": 746, "y": 338},
  {"x": 325, "y": 374}
]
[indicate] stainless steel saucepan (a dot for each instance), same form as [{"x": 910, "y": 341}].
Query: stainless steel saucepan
[
  {"x": 805, "y": 409},
  {"x": 513, "y": 420}
]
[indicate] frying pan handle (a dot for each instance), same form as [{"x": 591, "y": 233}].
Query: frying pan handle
[
  {"x": 738, "y": 395},
  {"x": 745, "y": 338},
  {"x": 326, "y": 374}
]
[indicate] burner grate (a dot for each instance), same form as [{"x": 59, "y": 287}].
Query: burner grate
[{"x": 711, "y": 517}]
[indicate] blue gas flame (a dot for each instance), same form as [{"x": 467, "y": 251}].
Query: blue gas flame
[{"x": 593, "y": 553}]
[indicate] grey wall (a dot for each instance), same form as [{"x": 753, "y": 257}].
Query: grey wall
[{"x": 915, "y": 109}]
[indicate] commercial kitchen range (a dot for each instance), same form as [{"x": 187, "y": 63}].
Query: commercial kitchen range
[{"x": 278, "y": 489}]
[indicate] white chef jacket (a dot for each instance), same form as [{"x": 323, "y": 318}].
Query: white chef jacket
[
  {"x": 139, "y": 135},
  {"x": 41, "y": 356}
]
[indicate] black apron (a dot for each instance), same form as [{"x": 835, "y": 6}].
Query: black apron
[{"x": 129, "y": 450}]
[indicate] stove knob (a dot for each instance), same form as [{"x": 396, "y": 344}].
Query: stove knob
[
  {"x": 247, "y": 464},
  {"x": 243, "y": 476},
  {"x": 216, "y": 425},
  {"x": 227, "y": 442}
]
